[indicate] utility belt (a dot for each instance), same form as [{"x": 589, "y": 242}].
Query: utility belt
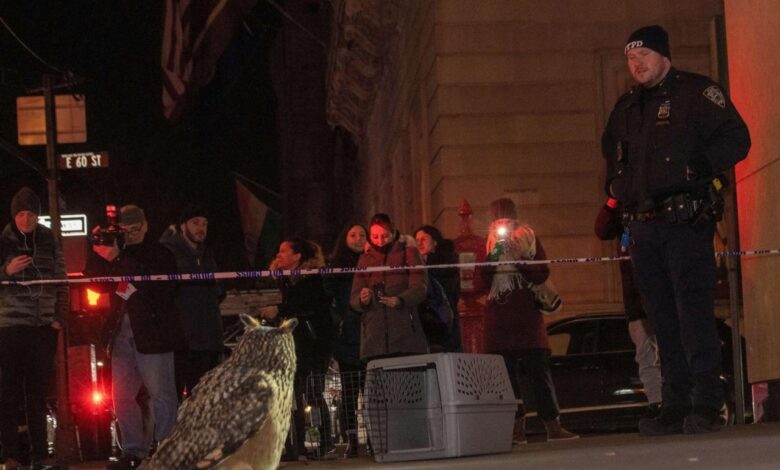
[{"x": 685, "y": 208}]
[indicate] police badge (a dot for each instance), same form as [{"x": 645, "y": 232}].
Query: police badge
[
  {"x": 664, "y": 111},
  {"x": 715, "y": 94}
]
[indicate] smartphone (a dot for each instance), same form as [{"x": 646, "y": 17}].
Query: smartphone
[{"x": 379, "y": 290}]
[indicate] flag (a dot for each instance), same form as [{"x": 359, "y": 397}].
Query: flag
[
  {"x": 195, "y": 34},
  {"x": 261, "y": 225}
]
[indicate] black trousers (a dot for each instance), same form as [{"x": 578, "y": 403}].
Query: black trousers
[
  {"x": 675, "y": 273},
  {"x": 26, "y": 368},
  {"x": 534, "y": 366}
]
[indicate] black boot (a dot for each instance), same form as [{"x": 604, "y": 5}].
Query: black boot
[{"x": 668, "y": 421}]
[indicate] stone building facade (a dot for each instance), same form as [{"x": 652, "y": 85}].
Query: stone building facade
[{"x": 460, "y": 99}]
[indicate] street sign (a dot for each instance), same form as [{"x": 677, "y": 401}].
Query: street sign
[
  {"x": 72, "y": 161},
  {"x": 73, "y": 225}
]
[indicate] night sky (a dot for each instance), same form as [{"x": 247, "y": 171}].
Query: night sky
[{"x": 114, "y": 46}]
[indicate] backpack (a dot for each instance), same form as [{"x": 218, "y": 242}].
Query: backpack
[{"x": 436, "y": 317}]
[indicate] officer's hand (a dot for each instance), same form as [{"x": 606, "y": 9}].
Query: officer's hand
[
  {"x": 17, "y": 264},
  {"x": 107, "y": 252}
]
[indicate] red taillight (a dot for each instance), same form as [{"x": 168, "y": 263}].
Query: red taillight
[{"x": 97, "y": 398}]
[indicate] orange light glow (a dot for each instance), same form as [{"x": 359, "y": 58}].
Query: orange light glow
[
  {"x": 97, "y": 397},
  {"x": 92, "y": 297}
]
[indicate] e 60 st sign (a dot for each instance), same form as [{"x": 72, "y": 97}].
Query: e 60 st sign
[{"x": 73, "y": 161}]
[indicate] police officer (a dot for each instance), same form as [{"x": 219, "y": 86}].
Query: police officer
[{"x": 666, "y": 143}]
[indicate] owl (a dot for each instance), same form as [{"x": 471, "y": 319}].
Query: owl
[{"x": 238, "y": 415}]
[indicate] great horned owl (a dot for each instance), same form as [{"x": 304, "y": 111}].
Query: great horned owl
[{"x": 238, "y": 415}]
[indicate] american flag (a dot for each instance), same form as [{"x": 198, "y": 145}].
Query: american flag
[{"x": 195, "y": 34}]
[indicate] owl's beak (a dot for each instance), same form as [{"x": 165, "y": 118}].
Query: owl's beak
[{"x": 289, "y": 324}]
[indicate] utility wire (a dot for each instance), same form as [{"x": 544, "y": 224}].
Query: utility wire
[
  {"x": 28, "y": 48},
  {"x": 296, "y": 23}
]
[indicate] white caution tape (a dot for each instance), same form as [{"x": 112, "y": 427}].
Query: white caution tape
[{"x": 346, "y": 270}]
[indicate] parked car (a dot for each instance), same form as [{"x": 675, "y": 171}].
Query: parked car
[{"x": 596, "y": 378}]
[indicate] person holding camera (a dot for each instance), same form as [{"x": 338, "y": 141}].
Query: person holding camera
[
  {"x": 143, "y": 331},
  {"x": 387, "y": 301},
  {"x": 30, "y": 320},
  {"x": 514, "y": 325},
  {"x": 666, "y": 144}
]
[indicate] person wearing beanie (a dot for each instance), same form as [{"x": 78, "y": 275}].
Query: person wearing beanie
[
  {"x": 198, "y": 302},
  {"x": 666, "y": 145},
  {"x": 30, "y": 320},
  {"x": 514, "y": 324},
  {"x": 143, "y": 331}
]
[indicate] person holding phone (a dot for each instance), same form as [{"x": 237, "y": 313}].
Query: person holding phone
[
  {"x": 387, "y": 301},
  {"x": 30, "y": 320}
]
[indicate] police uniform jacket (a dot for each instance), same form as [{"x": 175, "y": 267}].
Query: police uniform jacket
[{"x": 670, "y": 139}]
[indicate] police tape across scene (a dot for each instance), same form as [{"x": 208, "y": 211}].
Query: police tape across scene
[{"x": 337, "y": 270}]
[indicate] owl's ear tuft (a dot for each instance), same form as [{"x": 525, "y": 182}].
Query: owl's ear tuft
[
  {"x": 249, "y": 321},
  {"x": 288, "y": 325}
]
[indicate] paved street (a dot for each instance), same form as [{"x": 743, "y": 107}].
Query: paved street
[{"x": 754, "y": 446}]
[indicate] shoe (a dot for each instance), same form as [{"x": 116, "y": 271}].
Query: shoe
[
  {"x": 11, "y": 464},
  {"x": 701, "y": 422},
  {"x": 669, "y": 421},
  {"x": 518, "y": 432},
  {"x": 555, "y": 432},
  {"x": 47, "y": 464}
]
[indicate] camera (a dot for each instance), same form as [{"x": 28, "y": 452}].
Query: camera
[
  {"x": 379, "y": 290},
  {"x": 113, "y": 231},
  {"x": 503, "y": 232}
]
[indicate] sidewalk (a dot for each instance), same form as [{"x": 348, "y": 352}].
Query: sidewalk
[{"x": 755, "y": 446}]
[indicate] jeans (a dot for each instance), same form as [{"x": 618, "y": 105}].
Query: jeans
[
  {"x": 129, "y": 370},
  {"x": 26, "y": 368}
]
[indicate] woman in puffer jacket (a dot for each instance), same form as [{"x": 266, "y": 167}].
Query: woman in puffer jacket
[{"x": 387, "y": 301}]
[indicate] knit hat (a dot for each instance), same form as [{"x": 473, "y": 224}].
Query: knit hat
[
  {"x": 131, "y": 215},
  {"x": 503, "y": 208},
  {"x": 190, "y": 211},
  {"x": 25, "y": 200},
  {"x": 652, "y": 37}
]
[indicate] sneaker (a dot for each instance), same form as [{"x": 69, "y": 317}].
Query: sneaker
[
  {"x": 701, "y": 422},
  {"x": 669, "y": 421}
]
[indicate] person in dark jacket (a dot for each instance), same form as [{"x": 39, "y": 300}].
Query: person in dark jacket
[
  {"x": 387, "y": 301},
  {"x": 435, "y": 249},
  {"x": 666, "y": 144},
  {"x": 197, "y": 301},
  {"x": 30, "y": 319},
  {"x": 304, "y": 298},
  {"x": 346, "y": 349},
  {"x": 143, "y": 331},
  {"x": 608, "y": 227},
  {"x": 514, "y": 326}
]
